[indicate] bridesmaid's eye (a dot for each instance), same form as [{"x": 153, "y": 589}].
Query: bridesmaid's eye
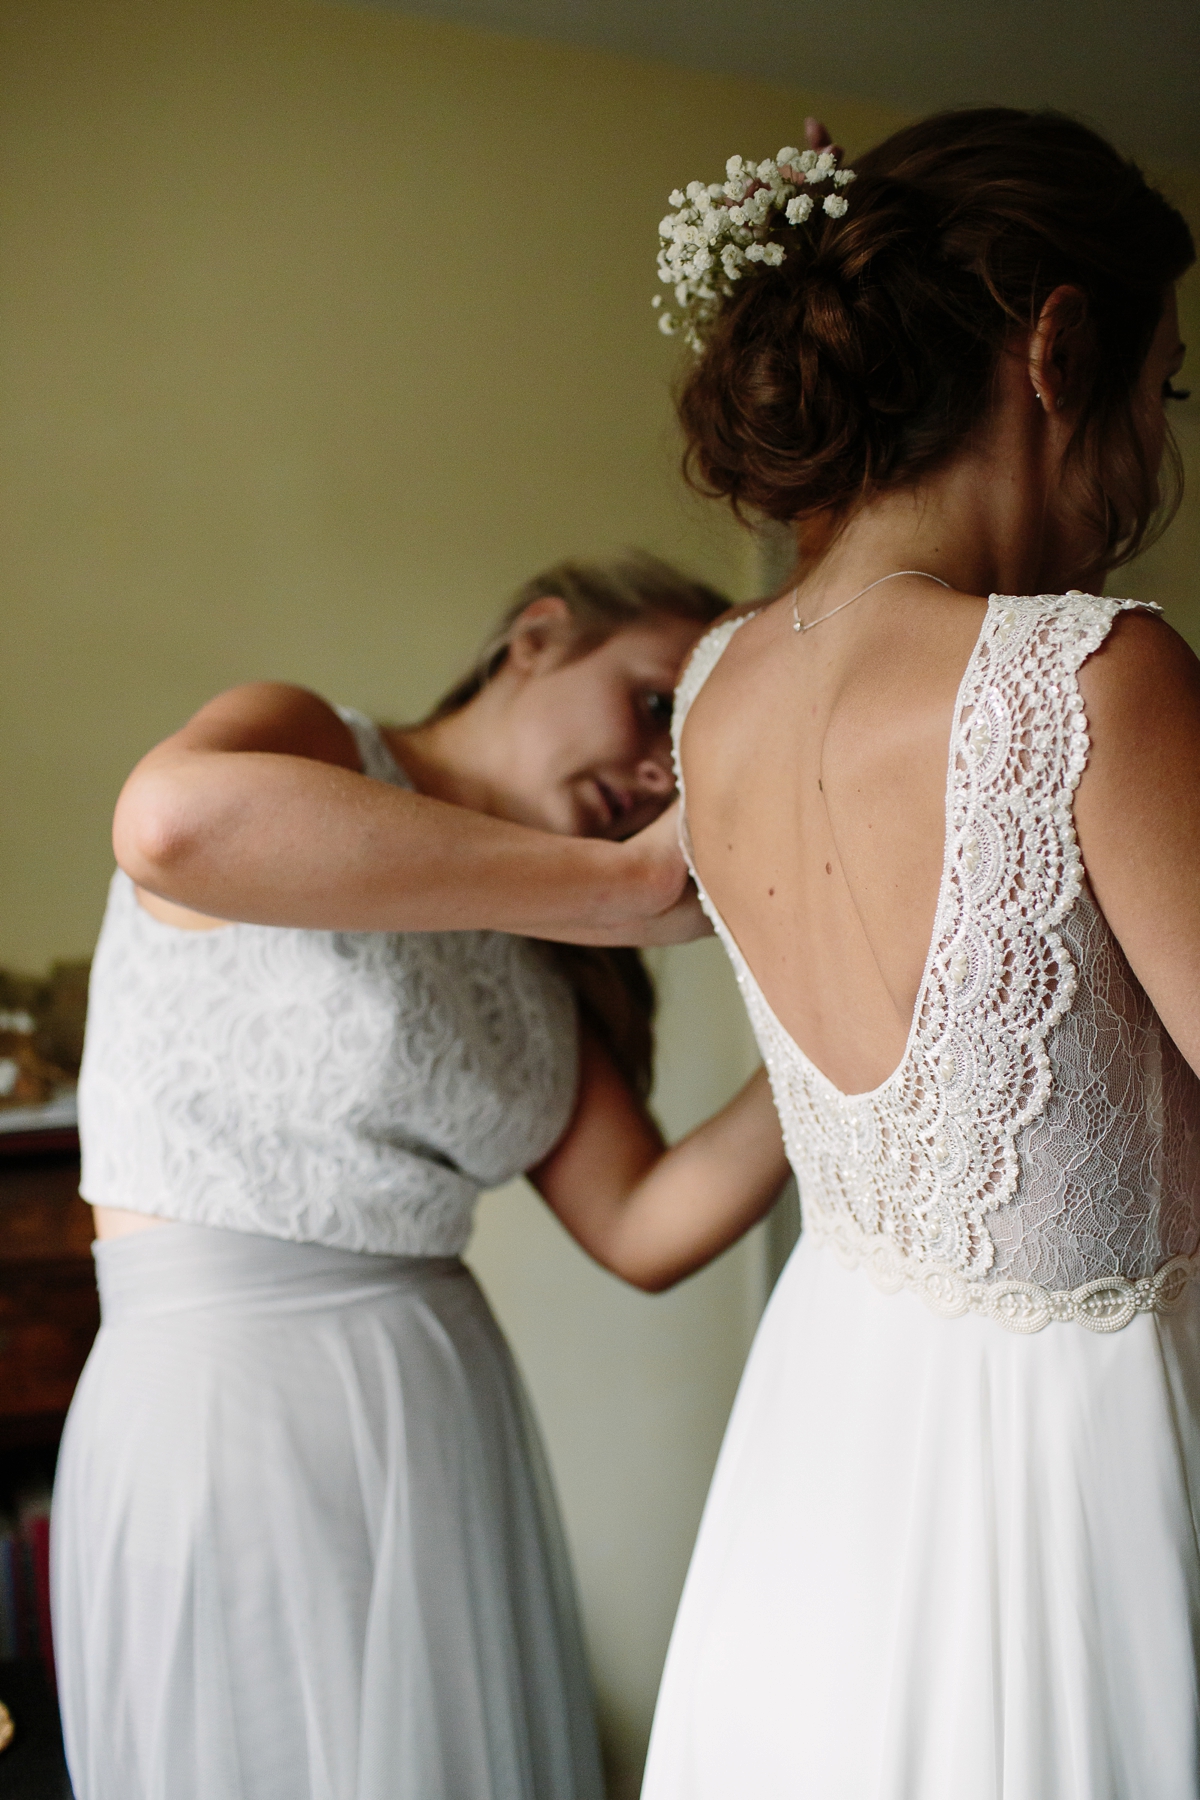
[{"x": 660, "y": 707}]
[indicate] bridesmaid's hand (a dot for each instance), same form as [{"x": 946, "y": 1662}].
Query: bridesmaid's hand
[
  {"x": 816, "y": 137},
  {"x": 682, "y": 924},
  {"x": 661, "y": 903},
  {"x": 659, "y": 870},
  {"x": 660, "y": 841},
  {"x": 684, "y": 919}
]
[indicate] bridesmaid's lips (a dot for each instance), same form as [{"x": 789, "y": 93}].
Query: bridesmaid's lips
[
  {"x": 596, "y": 802},
  {"x": 617, "y": 806}
]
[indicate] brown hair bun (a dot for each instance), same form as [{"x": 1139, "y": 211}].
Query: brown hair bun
[{"x": 865, "y": 359}]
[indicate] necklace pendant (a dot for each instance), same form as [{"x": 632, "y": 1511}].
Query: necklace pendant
[{"x": 798, "y": 624}]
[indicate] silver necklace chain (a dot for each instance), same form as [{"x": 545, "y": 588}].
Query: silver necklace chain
[{"x": 799, "y": 624}]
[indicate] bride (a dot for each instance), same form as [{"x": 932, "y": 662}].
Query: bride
[{"x": 942, "y": 802}]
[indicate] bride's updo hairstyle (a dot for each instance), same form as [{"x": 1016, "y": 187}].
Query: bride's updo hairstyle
[{"x": 866, "y": 358}]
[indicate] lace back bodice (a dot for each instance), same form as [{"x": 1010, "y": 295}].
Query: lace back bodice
[{"x": 1036, "y": 1153}]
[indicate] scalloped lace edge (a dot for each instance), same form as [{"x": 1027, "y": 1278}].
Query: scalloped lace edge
[{"x": 1106, "y": 1303}]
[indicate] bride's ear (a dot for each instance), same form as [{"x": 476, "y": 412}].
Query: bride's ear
[
  {"x": 1060, "y": 351},
  {"x": 539, "y": 636}
]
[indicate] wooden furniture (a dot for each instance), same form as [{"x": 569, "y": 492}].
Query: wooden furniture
[
  {"x": 49, "y": 1309},
  {"x": 32, "y": 1768},
  {"x": 49, "y": 1313}
]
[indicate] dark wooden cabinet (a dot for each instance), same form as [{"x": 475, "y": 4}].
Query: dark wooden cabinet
[
  {"x": 49, "y": 1309},
  {"x": 49, "y": 1313}
]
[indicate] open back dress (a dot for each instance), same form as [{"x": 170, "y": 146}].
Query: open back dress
[{"x": 950, "y": 1550}]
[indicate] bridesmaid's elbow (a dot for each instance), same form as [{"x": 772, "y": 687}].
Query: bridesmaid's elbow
[
  {"x": 643, "y": 1270},
  {"x": 152, "y": 836}
]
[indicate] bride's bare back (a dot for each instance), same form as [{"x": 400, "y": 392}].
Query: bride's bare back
[{"x": 815, "y": 769}]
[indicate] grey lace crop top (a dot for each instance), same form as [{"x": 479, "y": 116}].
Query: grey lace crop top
[{"x": 356, "y": 1089}]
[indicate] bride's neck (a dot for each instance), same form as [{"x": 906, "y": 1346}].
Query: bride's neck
[{"x": 990, "y": 521}]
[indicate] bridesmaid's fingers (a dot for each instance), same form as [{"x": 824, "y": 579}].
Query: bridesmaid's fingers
[{"x": 816, "y": 137}]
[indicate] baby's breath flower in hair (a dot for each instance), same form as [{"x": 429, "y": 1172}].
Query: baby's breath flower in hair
[{"x": 719, "y": 230}]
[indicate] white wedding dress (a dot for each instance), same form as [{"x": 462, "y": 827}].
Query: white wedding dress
[{"x": 950, "y": 1551}]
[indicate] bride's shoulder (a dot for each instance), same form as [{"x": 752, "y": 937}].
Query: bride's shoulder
[
  {"x": 1140, "y": 684},
  {"x": 1137, "y": 809},
  {"x": 1120, "y": 651},
  {"x": 707, "y": 652},
  {"x": 722, "y": 628}
]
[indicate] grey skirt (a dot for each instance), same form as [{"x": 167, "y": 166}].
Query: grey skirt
[{"x": 304, "y": 1543}]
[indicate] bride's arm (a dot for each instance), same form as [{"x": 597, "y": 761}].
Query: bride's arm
[
  {"x": 1137, "y": 812},
  {"x": 649, "y": 1214},
  {"x": 256, "y": 811}
]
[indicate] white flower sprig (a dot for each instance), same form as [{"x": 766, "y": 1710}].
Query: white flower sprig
[{"x": 718, "y": 232}]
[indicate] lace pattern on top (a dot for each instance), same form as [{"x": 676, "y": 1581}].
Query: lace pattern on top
[{"x": 1034, "y": 1156}]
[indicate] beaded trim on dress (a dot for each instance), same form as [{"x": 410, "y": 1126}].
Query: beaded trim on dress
[
  {"x": 907, "y": 1179},
  {"x": 1105, "y": 1303}
]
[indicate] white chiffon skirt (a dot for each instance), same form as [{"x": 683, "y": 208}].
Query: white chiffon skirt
[
  {"x": 940, "y": 1561},
  {"x": 304, "y": 1543}
]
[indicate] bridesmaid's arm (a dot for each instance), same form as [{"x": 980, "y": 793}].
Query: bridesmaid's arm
[
  {"x": 649, "y": 1214},
  {"x": 256, "y": 811},
  {"x": 1137, "y": 811}
]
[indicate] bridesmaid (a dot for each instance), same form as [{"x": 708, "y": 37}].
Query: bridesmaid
[{"x": 305, "y": 1545}]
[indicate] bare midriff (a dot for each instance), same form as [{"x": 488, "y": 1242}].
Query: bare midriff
[{"x": 117, "y": 1221}]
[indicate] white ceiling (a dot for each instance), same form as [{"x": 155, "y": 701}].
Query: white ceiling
[{"x": 1129, "y": 66}]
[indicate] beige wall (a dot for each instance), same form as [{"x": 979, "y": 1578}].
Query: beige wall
[{"x": 320, "y": 328}]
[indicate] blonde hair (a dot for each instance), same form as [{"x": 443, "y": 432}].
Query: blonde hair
[{"x": 602, "y": 598}]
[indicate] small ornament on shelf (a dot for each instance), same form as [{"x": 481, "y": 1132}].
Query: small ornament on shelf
[{"x": 41, "y": 1043}]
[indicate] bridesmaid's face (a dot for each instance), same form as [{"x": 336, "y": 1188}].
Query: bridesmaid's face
[{"x": 588, "y": 738}]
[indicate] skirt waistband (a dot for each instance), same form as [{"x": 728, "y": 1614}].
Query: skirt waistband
[{"x": 177, "y": 1268}]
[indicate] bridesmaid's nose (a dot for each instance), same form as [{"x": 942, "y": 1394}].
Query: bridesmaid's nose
[{"x": 655, "y": 775}]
